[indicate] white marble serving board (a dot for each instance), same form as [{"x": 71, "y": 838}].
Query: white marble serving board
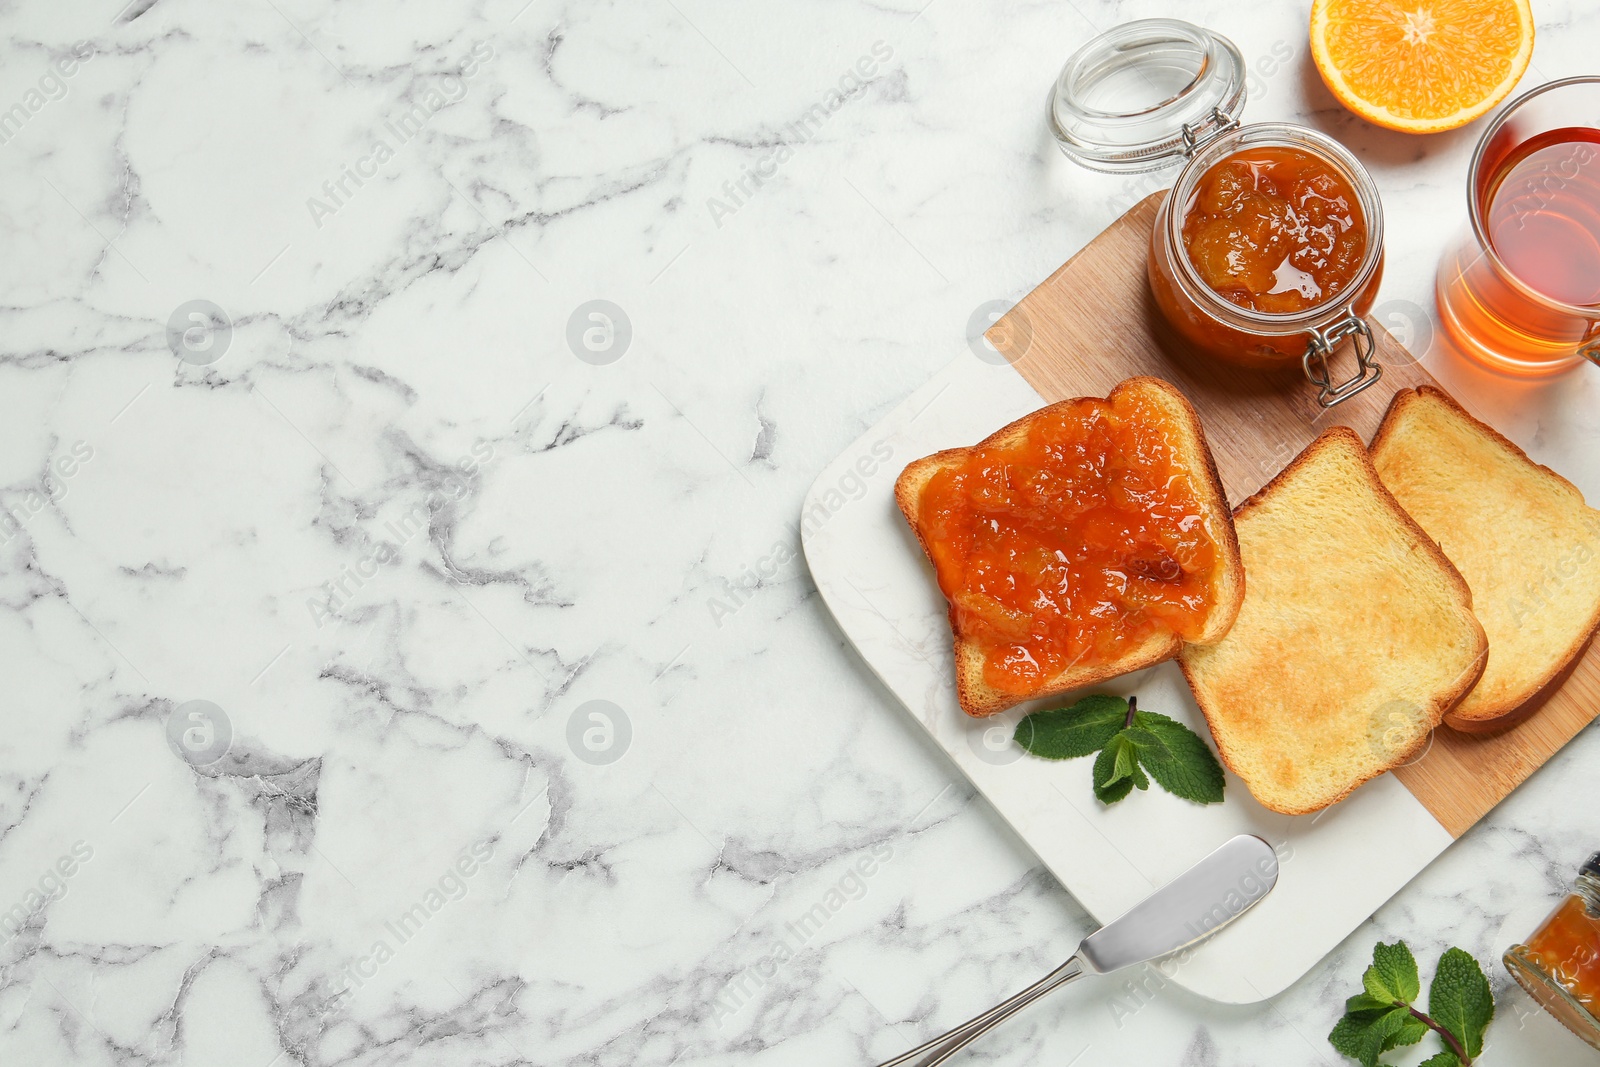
[{"x": 880, "y": 588}]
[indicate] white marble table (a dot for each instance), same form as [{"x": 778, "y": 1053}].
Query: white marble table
[{"x": 413, "y": 512}]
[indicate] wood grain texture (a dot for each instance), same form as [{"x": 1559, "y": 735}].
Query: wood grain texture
[{"x": 1093, "y": 323}]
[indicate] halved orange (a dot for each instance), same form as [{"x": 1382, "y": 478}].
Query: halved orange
[{"x": 1421, "y": 66}]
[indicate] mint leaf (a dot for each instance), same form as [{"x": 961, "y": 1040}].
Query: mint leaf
[
  {"x": 1352, "y": 1036},
  {"x": 1117, "y": 772},
  {"x": 1367, "y": 1035},
  {"x": 1460, "y": 1001},
  {"x": 1110, "y": 794},
  {"x": 1105, "y": 767},
  {"x": 1176, "y": 757},
  {"x": 1366, "y": 1002},
  {"x": 1409, "y": 1032},
  {"x": 1143, "y": 739},
  {"x": 1393, "y": 974},
  {"x": 1080, "y": 730},
  {"x": 1127, "y": 762},
  {"x": 1440, "y": 1059}
]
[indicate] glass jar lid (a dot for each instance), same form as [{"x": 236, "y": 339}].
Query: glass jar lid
[{"x": 1139, "y": 96}]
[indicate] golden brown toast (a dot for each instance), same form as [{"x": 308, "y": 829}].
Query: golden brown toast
[
  {"x": 1356, "y": 635},
  {"x": 976, "y": 696},
  {"x": 1519, "y": 533}
]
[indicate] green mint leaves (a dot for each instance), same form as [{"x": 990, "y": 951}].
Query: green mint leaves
[
  {"x": 1460, "y": 1000},
  {"x": 1067, "y": 733},
  {"x": 1384, "y": 1017},
  {"x": 1367, "y": 1031},
  {"x": 1134, "y": 746},
  {"x": 1116, "y": 770},
  {"x": 1393, "y": 974}
]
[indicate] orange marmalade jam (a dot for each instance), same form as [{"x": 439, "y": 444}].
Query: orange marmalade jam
[
  {"x": 1072, "y": 544},
  {"x": 1275, "y": 229},
  {"x": 1567, "y": 948}
]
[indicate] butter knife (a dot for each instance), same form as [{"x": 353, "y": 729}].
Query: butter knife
[{"x": 1187, "y": 910}]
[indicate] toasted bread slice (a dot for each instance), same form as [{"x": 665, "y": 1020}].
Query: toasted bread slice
[
  {"x": 1519, "y": 533},
  {"x": 976, "y": 696},
  {"x": 1356, "y": 637}
]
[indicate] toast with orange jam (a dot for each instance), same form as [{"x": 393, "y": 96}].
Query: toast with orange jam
[{"x": 1087, "y": 540}]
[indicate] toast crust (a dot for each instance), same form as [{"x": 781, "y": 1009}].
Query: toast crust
[
  {"x": 979, "y": 699},
  {"x": 1228, "y": 746},
  {"x": 1509, "y": 708}
]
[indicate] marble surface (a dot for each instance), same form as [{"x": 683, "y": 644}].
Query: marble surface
[{"x": 407, "y": 667}]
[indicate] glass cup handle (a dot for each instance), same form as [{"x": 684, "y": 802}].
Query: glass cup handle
[
  {"x": 1590, "y": 349},
  {"x": 1320, "y": 348}
]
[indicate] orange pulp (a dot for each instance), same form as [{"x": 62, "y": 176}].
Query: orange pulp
[
  {"x": 1567, "y": 948},
  {"x": 1275, "y": 229},
  {"x": 1072, "y": 545}
]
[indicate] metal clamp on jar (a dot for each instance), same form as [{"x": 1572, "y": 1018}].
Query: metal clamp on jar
[{"x": 1160, "y": 92}]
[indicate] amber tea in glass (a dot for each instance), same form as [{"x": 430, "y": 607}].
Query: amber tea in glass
[{"x": 1521, "y": 291}]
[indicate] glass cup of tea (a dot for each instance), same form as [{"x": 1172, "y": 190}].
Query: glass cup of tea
[{"x": 1520, "y": 291}]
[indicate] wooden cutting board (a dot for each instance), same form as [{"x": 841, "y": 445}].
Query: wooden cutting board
[{"x": 1093, "y": 323}]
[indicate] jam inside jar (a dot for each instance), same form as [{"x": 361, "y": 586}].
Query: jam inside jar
[
  {"x": 1559, "y": 966},
  {"x": 1268, "y": 251},
  {"x": 1275, "y": 229}
]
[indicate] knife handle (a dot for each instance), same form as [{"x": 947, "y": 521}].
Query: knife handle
[{"x": 949, "y": 1043}]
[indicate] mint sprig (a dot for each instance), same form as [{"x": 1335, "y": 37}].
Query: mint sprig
[
  {"x": 1384, "y": 1016},
  {"x": 1134, "y": 746}
]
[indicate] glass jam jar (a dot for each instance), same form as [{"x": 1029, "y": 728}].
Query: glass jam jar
[
  {"x": 1157, "y": 93},
  {"x": 1560, "y": 964}
]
